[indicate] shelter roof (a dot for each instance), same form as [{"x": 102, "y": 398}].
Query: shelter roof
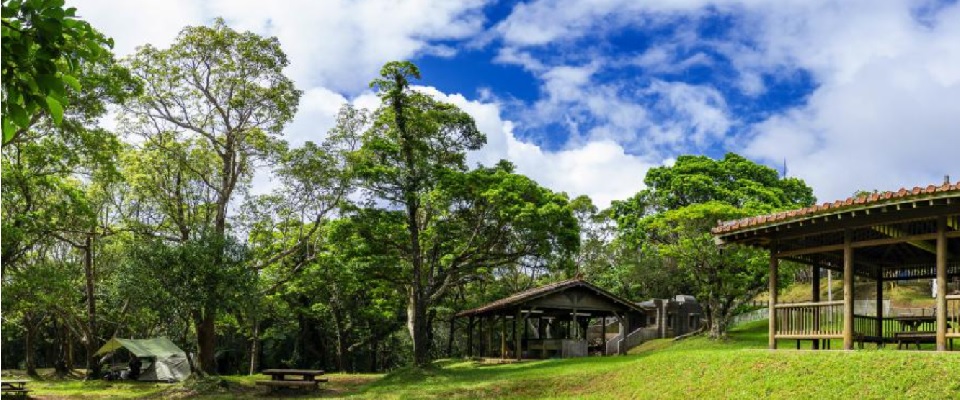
[
  {"x": 541, "y": 291},
  {"x": 903, "y": 195},
  {"x": 160, "y": 347}
]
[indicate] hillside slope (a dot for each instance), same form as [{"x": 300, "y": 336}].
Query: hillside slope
[{"x": 695, "y": 368}]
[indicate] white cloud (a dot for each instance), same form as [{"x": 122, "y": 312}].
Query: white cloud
[
  {"x": 883, "y": 112},
  {"x": 342, "y": 44},
  {"x": 600, "y": 169},
  {"x": 134, "y": 23},
  {"x": 337, "y": 44},
  {"x": 886, "y": 109}
]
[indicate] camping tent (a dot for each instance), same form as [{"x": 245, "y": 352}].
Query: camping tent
[{"x": 166, "y": 361}]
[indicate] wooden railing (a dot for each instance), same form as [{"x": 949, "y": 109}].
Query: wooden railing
[
  {"x": 822, "y": 320},
  {"x": 953, "y": 316}
]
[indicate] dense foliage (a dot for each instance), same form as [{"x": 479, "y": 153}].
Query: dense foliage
[{"x": 375, "y": 235}]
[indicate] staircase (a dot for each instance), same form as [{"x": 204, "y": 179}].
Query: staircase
[{"x": 633, "y": 339}]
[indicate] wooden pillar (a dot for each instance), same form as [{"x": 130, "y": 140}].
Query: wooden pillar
[
  {"x": 480, "y": 339},
  {"x": 847, "y": 290},
  {"x": 879, "y": 307},
  {"x": 942, "y": 284},
  {"x": 450, "y": 339},
  {"x": 503, "y": 337},
  {"x": 815, "y": 297},
  {"x": 516, "y": 336},
  {"x": 573, "y": 325},
  {"x": 542, "y": 328},
  {"x": 772, "y": 329},
  {"x": 470, "y": 337},
  {"x": 603, "y": 334}
]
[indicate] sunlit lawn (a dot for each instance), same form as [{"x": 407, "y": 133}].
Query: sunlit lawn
[{"x": 738, "y": 368}]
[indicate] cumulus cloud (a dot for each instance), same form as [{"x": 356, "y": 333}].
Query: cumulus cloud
[
  {"x": 885, "y": 112},
  {"x": 601, "y": 169},
  {"x": 883, "y": 109},
  {"x": 336, "y": 44}
]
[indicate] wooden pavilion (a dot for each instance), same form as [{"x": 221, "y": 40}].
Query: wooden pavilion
[
  {"x": 550, "y": 320},
  {"x": 892, "y": 236}
]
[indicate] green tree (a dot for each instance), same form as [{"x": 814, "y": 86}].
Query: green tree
[
  {"x": 215, "y": 103},
  {"x": 669, "y": 224},
  {"x": 456, "y": 224},
  {"x": 285, "y": 227},
  {"x": 45, "y": 48}
]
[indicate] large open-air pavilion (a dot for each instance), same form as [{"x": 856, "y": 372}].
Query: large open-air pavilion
[{"x": 882, "y": 237}]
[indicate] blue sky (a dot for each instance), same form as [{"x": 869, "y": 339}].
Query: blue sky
[{"x": 585, "y": 96}]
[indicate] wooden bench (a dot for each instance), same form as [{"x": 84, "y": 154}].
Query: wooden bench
[
  {"x": 307, "y": 378},
  {"x": 292, "y": 384},
  {"x": 14, "y": 387},
  {"x": 915, "y": 338}
]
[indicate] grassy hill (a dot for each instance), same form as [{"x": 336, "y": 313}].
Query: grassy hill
[
  {"x": 907, "y": 294},
  {"x": 694, "y": 368},
  {"x": 661, "y": 369}
]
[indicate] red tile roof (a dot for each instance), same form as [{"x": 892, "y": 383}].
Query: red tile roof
[{"x": 901, "y": 195}]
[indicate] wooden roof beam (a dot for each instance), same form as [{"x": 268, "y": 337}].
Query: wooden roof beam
[{"x": 897, "y": 233}]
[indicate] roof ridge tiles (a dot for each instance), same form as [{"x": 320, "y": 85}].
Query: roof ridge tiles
[{"x": 873, "y": 198}]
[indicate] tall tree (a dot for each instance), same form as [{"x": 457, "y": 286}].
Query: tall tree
[
  {"x": 670, "y": 223},
  {"x": 456, "y": 223},
  {"x": 220, "y": 96}
]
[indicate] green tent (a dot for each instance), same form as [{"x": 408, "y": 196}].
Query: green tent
[{"x": 165, "y": 361}]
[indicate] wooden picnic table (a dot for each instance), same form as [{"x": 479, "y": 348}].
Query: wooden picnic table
[
  {"x": 292, "y": 378},
  {"x": 15, "y": 387},
  {"x": 914, "y": 321}
]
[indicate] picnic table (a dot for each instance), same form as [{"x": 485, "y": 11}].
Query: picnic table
[
  {"x": 16, "y": 387},
  {"x": 298, "y": 378},
  {"x": 914, "y": 335},
  {"x": 914, "y": 321}
]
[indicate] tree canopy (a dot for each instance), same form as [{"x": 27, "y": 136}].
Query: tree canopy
[{"x": 371, "y": 237}]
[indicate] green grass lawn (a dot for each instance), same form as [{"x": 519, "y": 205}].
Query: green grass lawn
[{"x": 736, "y": 368}]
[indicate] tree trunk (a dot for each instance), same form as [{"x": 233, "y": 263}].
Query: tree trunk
[
  {"x": 719, "y": 319},
  {"x": 31, "y": 362},
  {"x": 92, "y": 344},
  {"x": 207, "y": 341},
  {"x": 342, "y": 347},
  {"x": 418, "y": 326},
  {"x": 255, "y": 347}
]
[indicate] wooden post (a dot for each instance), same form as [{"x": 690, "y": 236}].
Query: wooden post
[
  {"x": 470, "y": 337},
  {"x": 942, "y": 284},
  {"x": 542, "y": 332},
  {"x": 815, "y": 297},
  {"x": 516, "y": 336},
  {"x": 503, "y": 337},
  {"x": 603, "y": 334},
  {"x": 480, "y": 339},
  {"x": 772, "y": 329},
  {"x": 573, "y": 325},
  {"x": 879, "y": 307},
  {"x": 450, "y": 339},
  {"x": 847, "y": 290}
]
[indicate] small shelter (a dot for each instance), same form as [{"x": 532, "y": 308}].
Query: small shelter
[
  {"x": 891, "y": 236},
  {"x": 550, "y": 320},
  {"x": 161, "y": 359},
  {"x": 674, "y": 317}
]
